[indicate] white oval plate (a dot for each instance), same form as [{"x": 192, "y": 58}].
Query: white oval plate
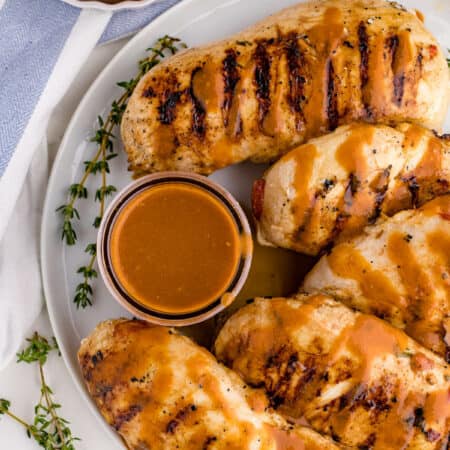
[
  {"x": 94, "y": 4},
  {"x": 196, "y": 22}
]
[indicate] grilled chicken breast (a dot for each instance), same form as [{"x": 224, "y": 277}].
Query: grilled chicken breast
[
  {"x": 295, "y": 75},
  {"x": 331, "y": 187},
  {"x": 399, "y": 270},
  {"x": 350, "y": 375},
  {"x": 161, "y": 391}
]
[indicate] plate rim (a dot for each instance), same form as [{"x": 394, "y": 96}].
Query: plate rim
[{"x": 48, "y": 213}]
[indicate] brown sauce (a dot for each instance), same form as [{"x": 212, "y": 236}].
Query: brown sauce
[
  {"x": 415, "y": 280},
  {"x": 439, "y": 245},
  {"x": 397, "y": 419},
  {"x": 208, "y": 86},
  {"x": 138, "y": 387},
  {"x": 175, "y": 248},
  {"x": 420, "y": 15},
  {"x": 431, "y": 162},
  {"x": 326, "y": 36},
  {"x": 274, "y": 122},
  {"x": 374, "y": 91},
  {"x": 285, "y": 439},
  {"x": 371, "y": 338},
  {"x": 413, "y": 135},
  {"x": 304, "y": 158},
  {"x": 346, "y": 262},
  {"x": 437, "y": 408},
  {"x": 440, "y": 205},
  {"x": 165, "y": 142},
  {"x": 358, "y": 201},
  {"x": 351, "y": 153}
]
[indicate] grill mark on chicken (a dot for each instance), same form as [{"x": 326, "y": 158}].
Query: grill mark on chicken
[
  {"x": 167, "y": 109},
  {"x": 379, "y": 198},
  {"x": 380, "y": 194},
  {"x": 209, "y": 440},
  {"x": 367, "y": 187},
  {"x": 352, "y": 188},
  {"x": 296, "y": 63},
  {"x": 447, "y": 353},
  {"x": 262, "y": 79},
  {"x": 347, "y": 200},
  {"x": 149, "y": 93},
  {"x": 198, "y": 110},
  {"x": 413, "y": 188},
  {"x": 279, "y": 375},
  {"x": 239, "y": 127},
  {"x": 180, "y": 417},
  {"x": 102, "y": 391},
  {"x": 420, "y": 283},
  {"x": 231, "y": 77},
  {"x": 306, "y": 224},
  {"x": 97, "y": 358},
  {"x": 363, "y": 46},
  {"x": 353, "y": 34},
  {"x": 399, "y": 75},
  {"x": 431, "y": 435},
  {"x": 428, "y": 170},
  {"x": 374, "y": 403},
  {"x": 158, "y": 412},
  {"x": 419, "y": 61},
  {"x": 277, "y": 378},
  {"x": 418, "y": 301},
  {"x": 332, "y": 103},
  {"x": 126, "y": 416},
  {"x": 356, "y": 203},
  {"x": 376, "y": 399},
  {"x": 369, "y": 442},
  {"x": 338, "y": 227},
  {"x": 392, "y": 44}
]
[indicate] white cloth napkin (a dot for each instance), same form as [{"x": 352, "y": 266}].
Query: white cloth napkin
[
  {"x": 43, "y": 45},
  {"x": 22, "y": 191}
]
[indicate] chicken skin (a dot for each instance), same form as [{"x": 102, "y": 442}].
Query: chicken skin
[
  {"x": 349, "y": 375},
  {"x": 398, "y": 270},
  {"x": 296, "y": 75},
  {"x": 332, "y": 187},
  {"x": 161, "y": 391}
]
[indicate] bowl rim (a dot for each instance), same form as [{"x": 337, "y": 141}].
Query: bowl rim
[
  {"x": 119, "y": 293},
  {"x": 96, "y": 4}
]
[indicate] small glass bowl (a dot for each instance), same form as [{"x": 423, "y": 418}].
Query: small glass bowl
[{"x": 133, "y": 305}]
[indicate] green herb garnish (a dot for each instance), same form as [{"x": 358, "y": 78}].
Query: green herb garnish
[
  {"x": 99, "y": 164},
  {"x": 48, "y": 429}
]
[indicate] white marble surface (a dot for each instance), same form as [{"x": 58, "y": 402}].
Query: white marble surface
[{"x": 19, "y": 383}]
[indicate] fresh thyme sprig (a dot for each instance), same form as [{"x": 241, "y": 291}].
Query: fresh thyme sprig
[
  {"x": 99, "y": 164},
  {"x": 48, "y": 429},
  {"x": 37, "y": 350}
]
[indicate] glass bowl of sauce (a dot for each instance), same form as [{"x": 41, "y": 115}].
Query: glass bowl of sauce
[{"x": 174, "y": 248}]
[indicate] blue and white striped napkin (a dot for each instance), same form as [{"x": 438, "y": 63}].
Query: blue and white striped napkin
[
  {"x": 33, "y": 34},
  {"x": 43, "y": 45}
]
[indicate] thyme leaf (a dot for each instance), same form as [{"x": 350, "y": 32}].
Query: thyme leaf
[
  {"x": 99, "y": 164},
  {"x": 48, "y": 428}
]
